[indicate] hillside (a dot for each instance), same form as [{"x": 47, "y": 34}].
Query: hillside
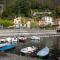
[{"x": 11, "y": 6}]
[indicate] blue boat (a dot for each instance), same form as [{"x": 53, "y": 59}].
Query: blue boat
[
  {"x": 43, "y": 53},
  {"x": 7, "y": 47}
]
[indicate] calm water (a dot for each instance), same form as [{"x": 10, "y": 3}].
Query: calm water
[{"x": 51, "y": 42}]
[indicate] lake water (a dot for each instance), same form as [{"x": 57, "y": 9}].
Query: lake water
[{"x": 52, "y": 42}]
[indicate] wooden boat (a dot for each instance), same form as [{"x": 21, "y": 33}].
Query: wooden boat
[{"x": 43, "y": 53}]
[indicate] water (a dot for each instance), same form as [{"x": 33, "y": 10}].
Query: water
[{"x": 51, "y": 42}]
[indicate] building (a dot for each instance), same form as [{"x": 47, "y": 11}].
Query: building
[
  {"x": 57, "y": 22},
  {"x": 41, "y": 23},
  {"x": 48, "y": 20},
  {"x": 28, "y": 24},
  {"x": 17, "y": 22}
]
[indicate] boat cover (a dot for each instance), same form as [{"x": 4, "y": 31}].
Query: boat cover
[{"x": 43, "y": 52}]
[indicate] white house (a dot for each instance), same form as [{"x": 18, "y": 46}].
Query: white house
[
  {"x": 28, "y": 24},
  {"x": 17, "y": 22},
  {"x": 48, "y": 20}
]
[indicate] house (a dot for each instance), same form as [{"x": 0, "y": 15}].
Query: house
[
  {"x": 17, "y": 22},
  {"x": 57, "y": 22},
  {"x": 28, "y": 24},
  {"x": 41, "y": 23},
  {"x": 48, "y": 20}
]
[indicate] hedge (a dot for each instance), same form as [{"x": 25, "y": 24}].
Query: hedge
[{"x": 6, "y": 22}]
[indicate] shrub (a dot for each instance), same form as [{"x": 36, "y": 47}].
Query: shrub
[{"x": 6, "y": 22}]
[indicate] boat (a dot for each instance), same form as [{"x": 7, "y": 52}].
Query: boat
[
  {"x": 8, "y": 39},
  {"x": 35, "y": 38},
  {"x": 3, "y": 44},
  {"x": 14, "y": 40},
  {"x": 2, "y": 40},
  {"x": 43, "y": 53},
  {"x": 6, "y": 47},
  {"x": 22, "y": 39},
  {"x": 28, "y": 50}
]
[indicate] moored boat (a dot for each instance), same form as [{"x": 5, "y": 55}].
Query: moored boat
[
  {"x": 7, "y": 47},
  {"x": 3, "y": 44},
  {"x": 28, "y": 50},
  {"x": 22, "y": 39},
  {"x": 35, "y": 38},
  {"x": 43, "y": 53}
]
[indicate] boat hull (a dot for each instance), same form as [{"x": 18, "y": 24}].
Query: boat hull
[
  {"x": 43, "y": 57},
  {"x": 7, "y": 47}
]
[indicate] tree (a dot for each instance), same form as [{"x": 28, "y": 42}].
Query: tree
[
  {"x": 57, "y": 9},
  {"x": 24, "y": 7}
]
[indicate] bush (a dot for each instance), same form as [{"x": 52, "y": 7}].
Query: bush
[
  {"x": 6, "y": 22},
  {"x": 33, "y": 25}
]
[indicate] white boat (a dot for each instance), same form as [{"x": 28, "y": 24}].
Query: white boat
[
  {"x": 2, "y": 40},
  {"x": 28, "y": 50},
  {"x": 8, "y": 39},
  {"x": 14, "y": 39},
  {"x": 44, "y": 52},
  {"x": 4, "y": 44},
  {"x": 35, "y": 37}
]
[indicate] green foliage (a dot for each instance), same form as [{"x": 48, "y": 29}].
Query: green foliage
[
  {"x": 6, "y": 23},
  {"x": 24, "y": 7},
  {"x": 33, "y": 25},
  {"x": 57, "y": 9}
]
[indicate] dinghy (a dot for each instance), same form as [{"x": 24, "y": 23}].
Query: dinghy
[
  {"x": 14, "y": 40},
  {"x": 8, "y": 39},
  {"x": 2, "y": 40},
  {"x": 4, "y": 44},
  {"x": 43, "y": 53},
  {"x": 28, "y": 50},
  {"x": 7, "y": 47},
  {"x": 22, "y": 39},
  {"x": 35, "y": 37}
]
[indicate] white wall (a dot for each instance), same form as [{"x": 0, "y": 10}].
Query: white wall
[{"x": 48, "y": 20}]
